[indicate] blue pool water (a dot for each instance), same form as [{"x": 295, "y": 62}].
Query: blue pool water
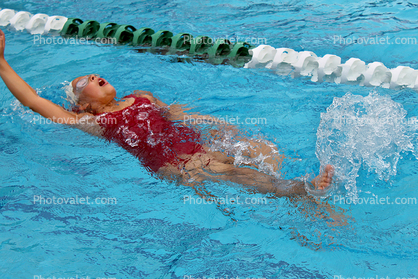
[{"x": 151, "y": 232}]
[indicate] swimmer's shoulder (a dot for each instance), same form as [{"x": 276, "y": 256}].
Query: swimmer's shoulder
[
  {"x": 142, "y": 93},
  {"x": 148, "y": 95},
  {"x": 145, "y": 94}
]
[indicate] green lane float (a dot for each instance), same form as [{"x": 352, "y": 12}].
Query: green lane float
[{"x": 216, "y": 52}]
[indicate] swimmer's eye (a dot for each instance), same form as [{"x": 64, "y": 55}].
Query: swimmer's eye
[{"x": 82, "y": 83}]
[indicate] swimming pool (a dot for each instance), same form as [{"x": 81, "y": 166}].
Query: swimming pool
[{"x": 152, "y": 232}]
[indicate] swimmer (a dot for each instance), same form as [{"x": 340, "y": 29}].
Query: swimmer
[{"x": 148, "y": 128}]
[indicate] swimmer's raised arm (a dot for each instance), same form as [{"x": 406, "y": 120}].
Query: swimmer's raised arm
[{"x": 27, "y": 95}]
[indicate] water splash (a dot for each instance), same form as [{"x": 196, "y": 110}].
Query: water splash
[
  {"x": 239, "y": 150},
  {"x": 371, "y": 131}
]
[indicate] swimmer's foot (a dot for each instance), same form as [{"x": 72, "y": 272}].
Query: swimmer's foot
[{"x": 323, "y": 180}]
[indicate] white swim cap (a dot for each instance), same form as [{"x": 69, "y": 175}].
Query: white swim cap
[{"x": 71, "y": 96}]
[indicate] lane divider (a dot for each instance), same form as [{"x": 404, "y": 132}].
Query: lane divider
[
  {"x": 216, "y": 52},
  {"x": 285, "y": 61},
  {"x": 282, "y": 61}
]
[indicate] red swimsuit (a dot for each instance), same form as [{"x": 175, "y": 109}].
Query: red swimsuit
[{"x": 145, "y": 133}]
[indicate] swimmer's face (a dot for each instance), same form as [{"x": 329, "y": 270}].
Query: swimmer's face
[{"x": 93, "y": 89}]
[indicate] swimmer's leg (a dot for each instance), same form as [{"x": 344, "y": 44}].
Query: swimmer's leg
[
  {"x": 265, "y": 149},
  {"x": 257, "y": 148},
  {"x": 216, "y": 166},
  {"x": 264, "y": 183},
  {"x": 250, "y": 178}
]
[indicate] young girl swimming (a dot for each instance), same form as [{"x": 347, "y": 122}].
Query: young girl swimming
[{"x": 147, "y": 128}]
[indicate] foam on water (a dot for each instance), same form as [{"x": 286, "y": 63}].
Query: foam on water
[
  {"x": 371, "y": 131},
  {"x": 229, "y": 144}
]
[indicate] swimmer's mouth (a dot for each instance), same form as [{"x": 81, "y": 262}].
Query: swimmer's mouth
[{"x": 102, "y": 82}]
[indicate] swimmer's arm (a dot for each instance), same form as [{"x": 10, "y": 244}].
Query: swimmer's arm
[
  {"x": 16, "y": 85},
  {"x": 30, "y": 99},
  {"x": 28, "y": 96}
]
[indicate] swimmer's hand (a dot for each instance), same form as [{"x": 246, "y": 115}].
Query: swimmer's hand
[
  {"x": 324, "y": 180},
  {"x": 27, "y": 96},
  {"x": 2, "y": 44}
]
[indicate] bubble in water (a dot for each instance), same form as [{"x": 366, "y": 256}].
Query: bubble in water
[{"x": 370, "y": 131}]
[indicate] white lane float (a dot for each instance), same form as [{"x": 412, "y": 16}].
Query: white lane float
[
  {"x": 351, "y": 71},
  {"x": 5, "y": 16},
  {"x": 33, "y": 24},
  {"x": 54, "y": 25},
  {"x": 36, "y": 24},
  {"x": 306, "y": 65},
  {"x": 403, "y": 76},
  {"x": 329, "y": 68},
  {"x": 377, "y": 74},
  {"x": 283, "y": 60},
  {"x": 19, "y": 20},
  {"x": 261, "y": 56}
]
